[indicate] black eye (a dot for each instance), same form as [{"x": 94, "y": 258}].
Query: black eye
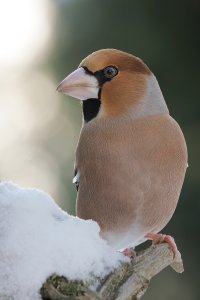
[{"x": 110, "y": 72}]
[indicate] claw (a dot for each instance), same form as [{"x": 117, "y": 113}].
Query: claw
[
  {"x": 129, "y": 252},
  {"x": 159, "y": 238}
]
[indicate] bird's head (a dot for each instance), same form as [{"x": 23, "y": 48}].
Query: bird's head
[{"x": 110, "y": 82}]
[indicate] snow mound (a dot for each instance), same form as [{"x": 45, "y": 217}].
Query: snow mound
[{"x": 38, "y": 239}]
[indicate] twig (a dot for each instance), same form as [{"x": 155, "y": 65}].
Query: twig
[{"x": 129, "y": 282}]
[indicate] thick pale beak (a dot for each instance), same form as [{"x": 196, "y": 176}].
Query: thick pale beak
[{"x": 80, "y": 85}]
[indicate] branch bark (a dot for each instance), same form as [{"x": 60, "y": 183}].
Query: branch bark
[{"x": 129, "y": 282}]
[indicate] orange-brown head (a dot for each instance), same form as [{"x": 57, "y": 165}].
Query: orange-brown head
[{"x": 109, "y": 79}]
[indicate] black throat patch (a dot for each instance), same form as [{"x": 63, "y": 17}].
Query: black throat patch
[{"x": 91, "y": 108}]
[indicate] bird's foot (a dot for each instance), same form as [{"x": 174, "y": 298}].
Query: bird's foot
[
  {"x": 159, "y": 238},
  {"x": 129, "y": 252}
]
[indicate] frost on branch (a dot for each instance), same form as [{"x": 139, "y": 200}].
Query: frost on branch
[{"x": 45, "y": 251}]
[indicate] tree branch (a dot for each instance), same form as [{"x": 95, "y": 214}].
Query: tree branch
[{"x": 129, "y": 282}]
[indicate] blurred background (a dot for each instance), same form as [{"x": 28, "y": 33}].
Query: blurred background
[{"x": 41, "y": 42}]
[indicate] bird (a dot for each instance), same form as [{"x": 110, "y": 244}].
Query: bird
[{"x": 131, "y": 156}]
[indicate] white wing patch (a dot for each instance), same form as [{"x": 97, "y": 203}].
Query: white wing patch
[{"x": 76, "y": 178}]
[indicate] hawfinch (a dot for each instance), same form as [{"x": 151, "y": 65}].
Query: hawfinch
[{"x": 131, "y": 156}]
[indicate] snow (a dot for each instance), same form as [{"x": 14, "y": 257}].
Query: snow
[{"x": 38, "y": 239}]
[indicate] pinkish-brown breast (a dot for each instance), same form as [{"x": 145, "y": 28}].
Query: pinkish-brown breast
[{"x": 130, "y": 171}]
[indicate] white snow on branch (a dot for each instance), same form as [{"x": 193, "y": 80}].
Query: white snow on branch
[{"x": 38, "y": 239}]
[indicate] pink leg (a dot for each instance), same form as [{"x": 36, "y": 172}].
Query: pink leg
[
  {"x": 129, "y": 252},
  {"x": 159, "y": 238}
]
